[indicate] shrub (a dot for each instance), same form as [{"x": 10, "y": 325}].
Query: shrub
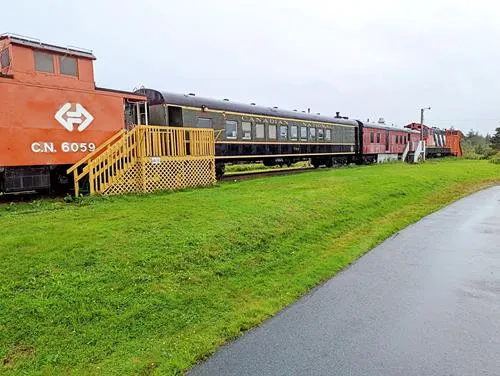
[{"x": 496, "y": 158}]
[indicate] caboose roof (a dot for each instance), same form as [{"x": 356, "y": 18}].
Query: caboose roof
[
  {"x": 39, "y": 45},
  {"x": 387, "y": 127}
]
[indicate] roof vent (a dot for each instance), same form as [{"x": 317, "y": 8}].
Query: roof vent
[
  {"x": 337, "y": 114},
  {"x": 226, "y": 99},
  {"x": 318, "y": 113},
  {"x": 192, "y": 94},
  {"x": 303, "y": 112},
  {"x": 253, "y": 104},
  {"x": 275, "y": 107},
  {"x": 295, "y": 110}
]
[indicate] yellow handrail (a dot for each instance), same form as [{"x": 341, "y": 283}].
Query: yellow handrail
[{"x": 95, "y": 152}]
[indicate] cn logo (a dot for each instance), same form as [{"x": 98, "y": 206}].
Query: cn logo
[{"x": 69, "y": 116}]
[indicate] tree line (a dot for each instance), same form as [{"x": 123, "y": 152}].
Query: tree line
[{"x": 477, "y": 146}]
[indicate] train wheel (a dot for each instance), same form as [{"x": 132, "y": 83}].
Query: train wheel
[
  {"x": 220, "y": 168},
  {"x": 315, "y": 163},
  {"x": 329, "y": 163}
]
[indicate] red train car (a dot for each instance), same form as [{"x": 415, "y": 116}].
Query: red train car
[
  {"x": 52, "y": 114},
  {"x": 382, "y": 143},
  {"x": 436, "y": 140},
  {"x": 453, "y": 141}
]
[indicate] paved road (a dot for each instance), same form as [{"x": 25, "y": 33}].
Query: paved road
[{"x": 425, "y": 302}]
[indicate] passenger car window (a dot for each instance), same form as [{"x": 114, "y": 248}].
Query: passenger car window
[
  {"x": 312, "y": 133},
  {"x": 44, "y": 62},
  {"x": 204, "y": 123},
  {"x": 68, "y": 66},
  {"x": 272, "y": 131},
  {"x": 372, "y": 137},
  {"x": 246, "y": 130},
  {"x": 378, "y": 138},
  {"x": 4, "y": 58},
  {"x": 320, "y": 134},
  {"x": 259, "y": 131},
  {"x": 328, "y": 135},
  {"x": 231, "y": 129},
  {"x": 283, "y": 132},
  {"x": 293, "y": 132},
  {"x": 303, "y": 133}
]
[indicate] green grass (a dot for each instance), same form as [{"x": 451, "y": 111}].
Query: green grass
[
  {"x": 152, "y": 284},
  {"x": 251, "y": 167}
]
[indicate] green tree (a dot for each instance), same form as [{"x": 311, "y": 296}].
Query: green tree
[{"x": 495, "y": 140}]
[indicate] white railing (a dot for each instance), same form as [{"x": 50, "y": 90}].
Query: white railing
[
  {"x": 405, "y": 153},
  {"x": 420, "y": 152}
]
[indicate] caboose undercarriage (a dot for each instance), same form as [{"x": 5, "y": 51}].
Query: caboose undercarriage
[{"x": 51, "y": 179}]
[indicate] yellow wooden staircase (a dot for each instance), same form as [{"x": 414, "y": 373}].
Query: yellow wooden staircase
[{"x": 149, "y": 158}]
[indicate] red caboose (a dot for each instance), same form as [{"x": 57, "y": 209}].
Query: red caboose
[
  {"x": 51, "y": 112},
  {"x": 382, "y": 143}
]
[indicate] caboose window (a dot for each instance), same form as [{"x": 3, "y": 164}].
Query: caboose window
[
  {"x": 303, "y": 133},
  {"x": 378, "y": 138},
  {"x": 272, "y": 132},
  {"x": 246, "y": 130},
  {"x": 293, "y": 132},
  {"x": 283, "y": 132},
  {"x": 68, "y": 66},
  {"x": 259, "y": 130},
  {"x": 204, "y": 123},
  {"x": 328, "y": 135},
  {"x": 4, "y": 58},
  {"x": 320, "y": 134},
  {"x": 44, "y": 62},
  {"x": 312, "y": 133},
  {"x": 231, "y": 129},
  {"x": 372, "y": 137}
]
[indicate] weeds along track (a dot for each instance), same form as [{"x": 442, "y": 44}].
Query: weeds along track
[{"x": 261, "y": 173}]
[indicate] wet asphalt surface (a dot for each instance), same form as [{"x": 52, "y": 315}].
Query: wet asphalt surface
[{"x": 425, "y": 302}]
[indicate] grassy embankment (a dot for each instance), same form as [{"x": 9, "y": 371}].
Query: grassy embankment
[{"x": 151, "y": 284}]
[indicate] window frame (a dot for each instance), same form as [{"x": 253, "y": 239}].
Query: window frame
[
  {"x": 286, "y": 138},
  {"x": 46, "y": 54},
  {"x": 312, "y": 134},
  {"x": 249, "y": 131},
  {"x": 378, "y": 137},
  {"x": 231, "y": 122},
  {"x": 321, "y": 131},
  {"x": 59, "y": 60},
  {"x": 372, "y": 137},
  {"x": 202, "y": 118},
  {"x": 259, "y": 125},
  {"x": 3, "y": 53},
  {"x": 269, "y": 126},
  {"x": 328, "y": 132},
  {"x": 296, "y": 127},
  {"x": 303, "y": 127}
]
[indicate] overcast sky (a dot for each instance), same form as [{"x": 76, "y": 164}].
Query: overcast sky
[{"x": 366, "y": 59}]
